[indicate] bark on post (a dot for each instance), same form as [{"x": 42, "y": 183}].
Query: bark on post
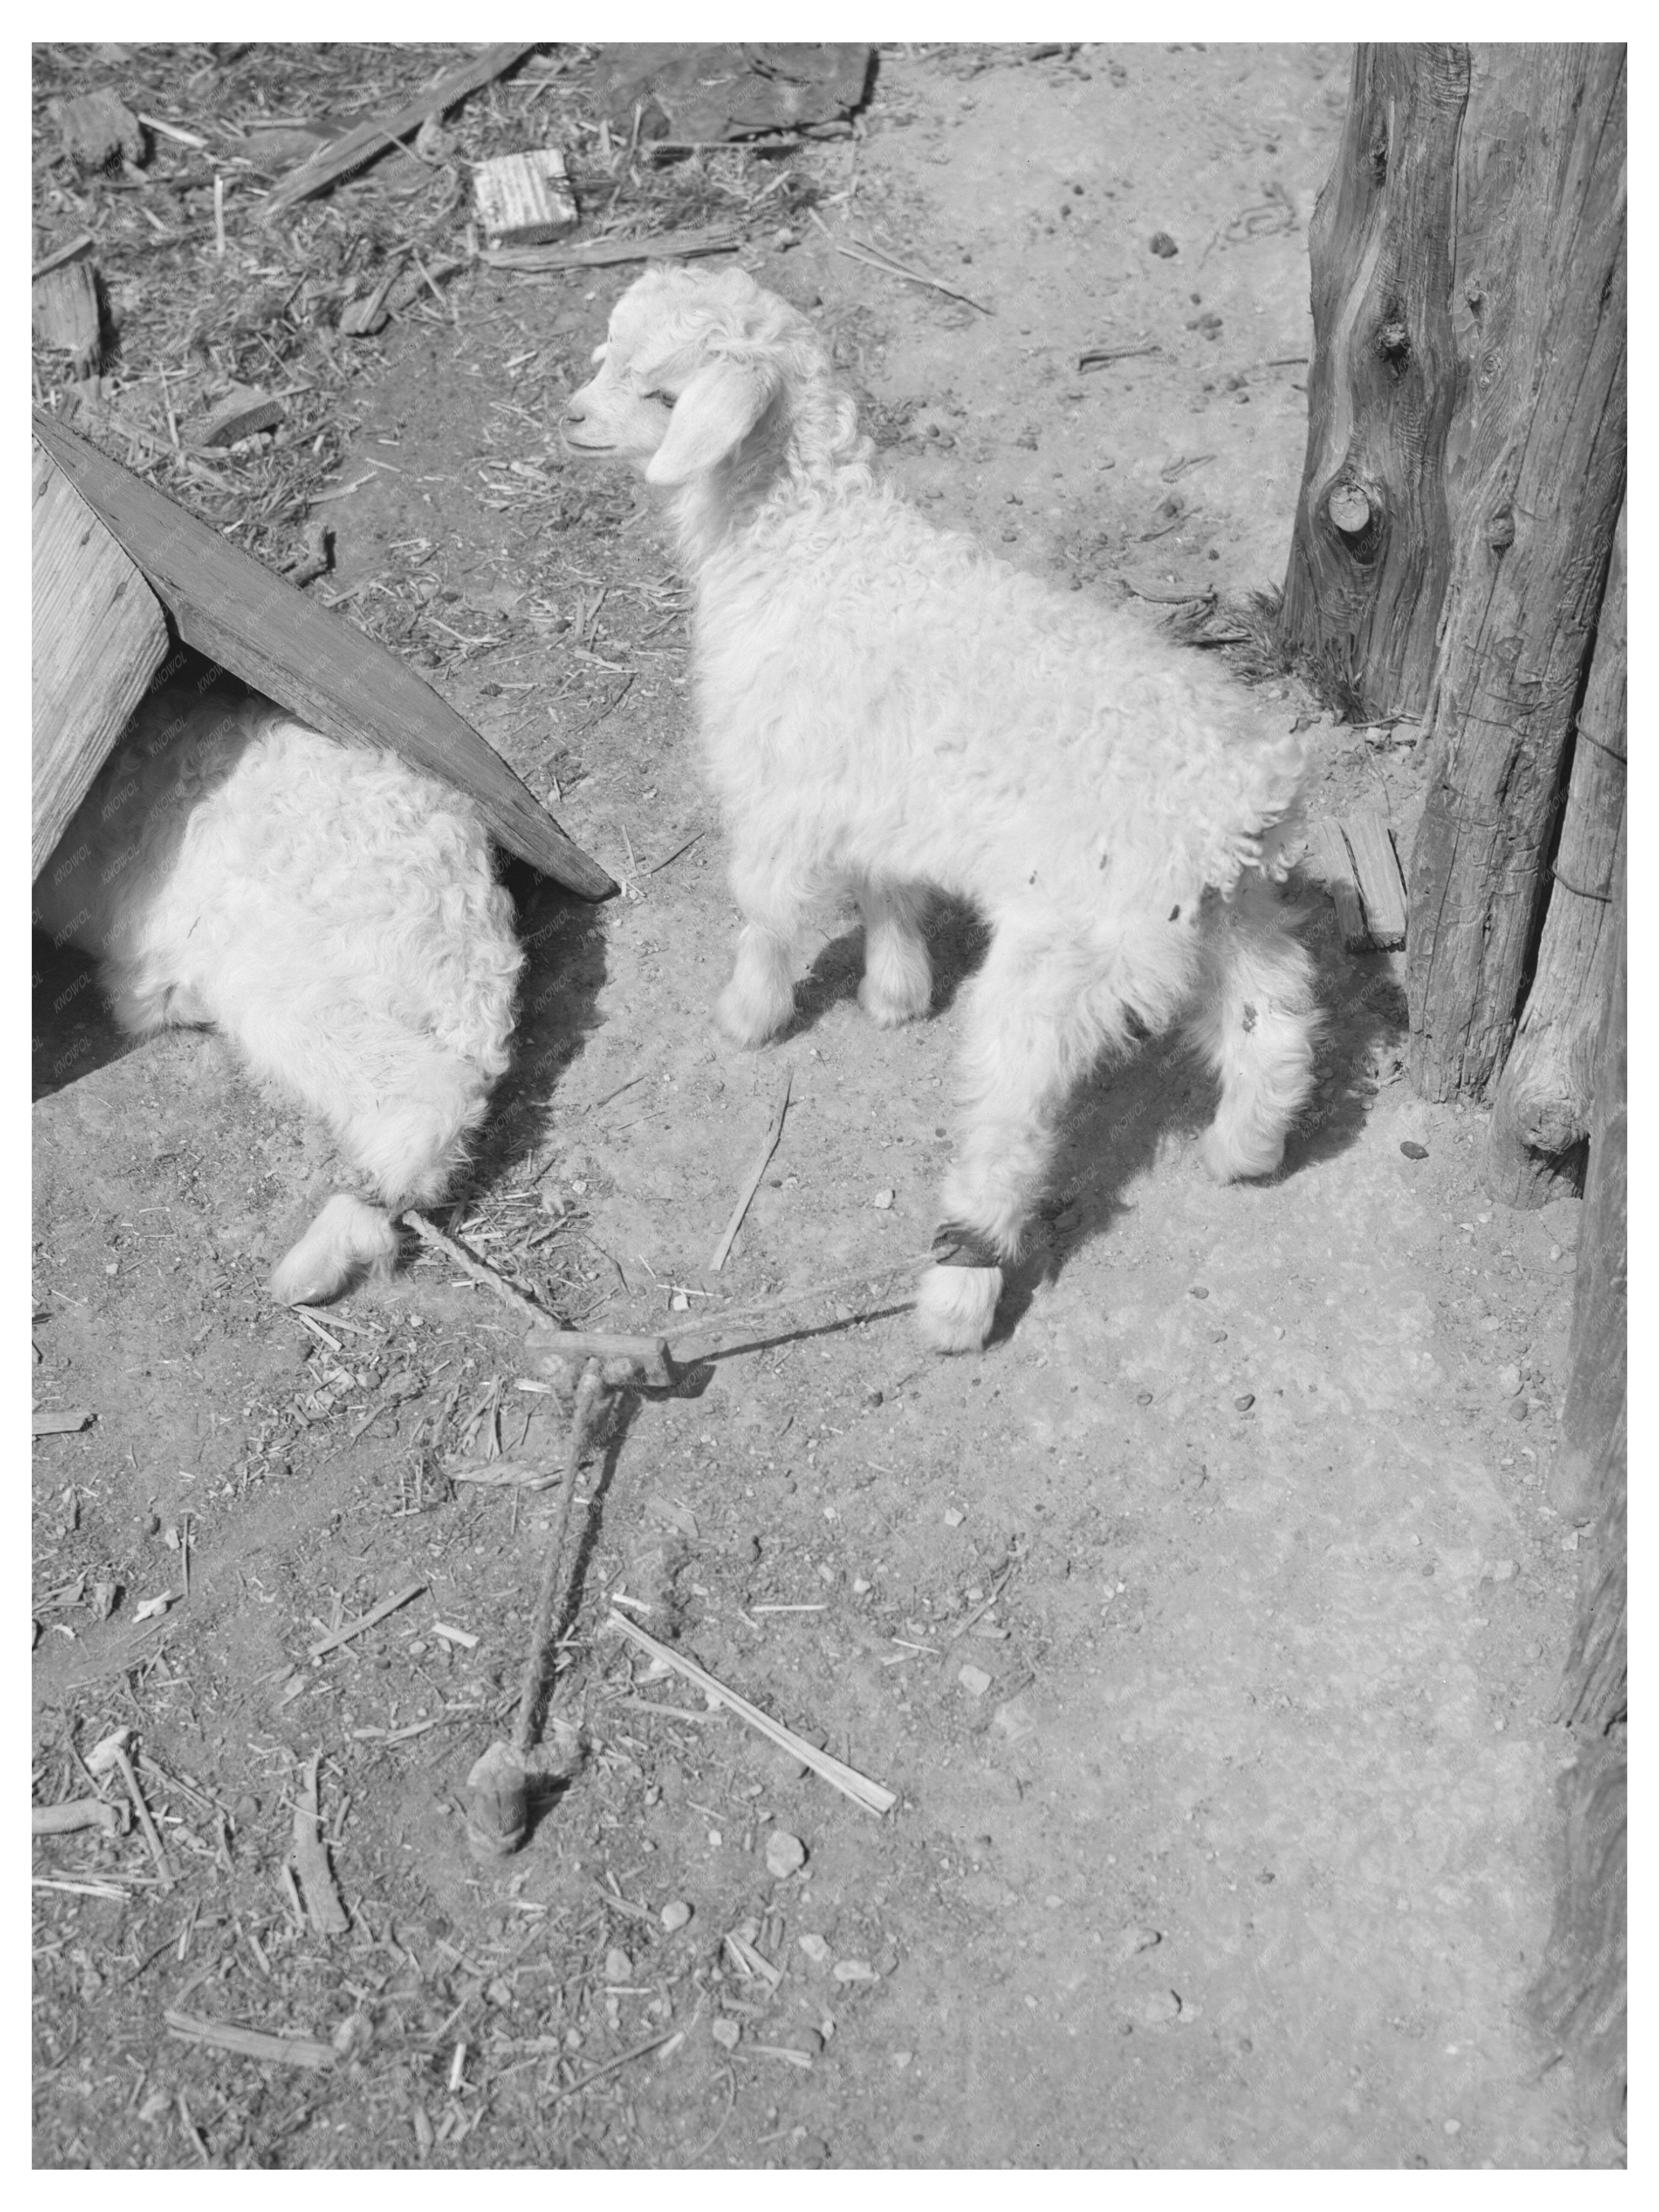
[
  {"x": 1536, "y": 478},
  {"x": 1542, "y": 1107},
  {"x": 1372, "y": 549}
]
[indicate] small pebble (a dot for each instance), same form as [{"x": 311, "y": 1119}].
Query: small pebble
[
  {"x": 1217, "y": 1336},
  {"x": 815, "y": 1948},
  {"x": 785, "y": 1854},
  {"x": 854, "y": 1970},
  {"x": 1198, "y": 1292},
  {"x": 1509, "y": 1381},
  {"x": 725, "y": 2032},
  {"x": 955, "y": 1517},
  {"x": 1159, "y": 2008},
  {"x": 1163, "y": 245},
  {"x": 675, "y": 1915},
  {"x": 1245, "y": 1402},
  {"x": 812, "y": 2150},
  {"x": 1143, "y": 1397},
  {"x": 973, "y": 1679},
  {"x": 1413, "y": 1151},
  {"x": 1453, "y": 2127},
  {"x": 901, "y": 2060},
  {"x": 618, "y": 1966},
  {"x": 1516, "y": 1409},
  {"x": 882, "y": 1199}
]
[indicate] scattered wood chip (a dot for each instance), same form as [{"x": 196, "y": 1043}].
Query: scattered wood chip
[
  {"x": 244, "y": 411},
  {"x": 455, "y": 1636},
  {"x": 506, "y": 1473},
  {"x": 1102, "y": 356},
  {"x": 65, "y": 1423},
  {"x": 323, "y": 1908},
  {"x": 79, "y": 1812},
  {"x": 870, "y": 1795},
  {"x": 525, "y": 199},
  {"x": 98, "y": 130},
  {"x": 251, "y": 2042}
]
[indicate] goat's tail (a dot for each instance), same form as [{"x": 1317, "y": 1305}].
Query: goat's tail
[
  {"x": 349, "y": 1239},
  {"x": 1267, "y": 834}
]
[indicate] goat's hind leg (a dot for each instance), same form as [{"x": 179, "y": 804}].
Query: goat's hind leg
[
  {"x": 1253, "y": 1024},
  {"x": 898, "y": 976},
  {"x": 1037, "y": 1018}
]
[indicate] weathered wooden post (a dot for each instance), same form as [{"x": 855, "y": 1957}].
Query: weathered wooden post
[
  {"x": 1465, "y": 469},
  {"x": 1582, "y": 1988},
  {"x": 1541, "y": 1113}
]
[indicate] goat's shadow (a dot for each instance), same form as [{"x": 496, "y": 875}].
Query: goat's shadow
[
  {"x": 957, "y": 941},
  {"x": 564, "y": 940},
  {"x": 1117, "y": 1120}
]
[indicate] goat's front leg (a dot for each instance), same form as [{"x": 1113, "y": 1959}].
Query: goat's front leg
[
  {"x": 1034, "y": 1026},
  {"x": 760, "y": 997},
  {"x": 898, "y": 976}
]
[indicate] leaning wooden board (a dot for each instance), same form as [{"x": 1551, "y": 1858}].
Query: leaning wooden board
[
  {"x": 308, "y": 659},
  {"x": 99, "y": 635}
]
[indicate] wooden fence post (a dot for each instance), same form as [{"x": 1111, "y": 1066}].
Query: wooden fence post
[
  {"x": 1541, "y": 1108},
  {"x": 1582, "y": 1992},
  {"x": 1536, "y": 471}
]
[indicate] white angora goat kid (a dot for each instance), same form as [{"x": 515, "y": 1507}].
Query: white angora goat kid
[
  {"x": 329, "y": 907},
  {"x": 885, "y": 708}
]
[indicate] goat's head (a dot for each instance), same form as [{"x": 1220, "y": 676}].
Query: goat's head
[{"x": 694, "y": 362}]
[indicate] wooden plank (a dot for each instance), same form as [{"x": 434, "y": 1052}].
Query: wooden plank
[
  {"x": 64, "y": 303},
  {"x": 99, "y": 636},
  {"x": 362, "y": 143},
  {"x": 308, "y": 659},
  {"x": 1335, "y": 864},
  {"x": 1378, "y": 871}
]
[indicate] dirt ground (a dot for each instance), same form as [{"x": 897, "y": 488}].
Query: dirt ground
[{"x": 1208, "y": 1628}]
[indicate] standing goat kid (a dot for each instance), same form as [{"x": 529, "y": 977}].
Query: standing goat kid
[
  {"x": 885, "y": 708},
  {"x": 332, "y": 909}
]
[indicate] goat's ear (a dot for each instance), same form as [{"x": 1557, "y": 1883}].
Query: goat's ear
[{"x": 715, "y": 413}]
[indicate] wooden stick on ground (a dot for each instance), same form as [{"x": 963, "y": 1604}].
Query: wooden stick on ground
[
  {"x": 751, "y": 1182},
  {"x": 848, "y": 1780},
  {"x": 364, "y": 1620},
  {"x": 112, "y": 1752}
]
